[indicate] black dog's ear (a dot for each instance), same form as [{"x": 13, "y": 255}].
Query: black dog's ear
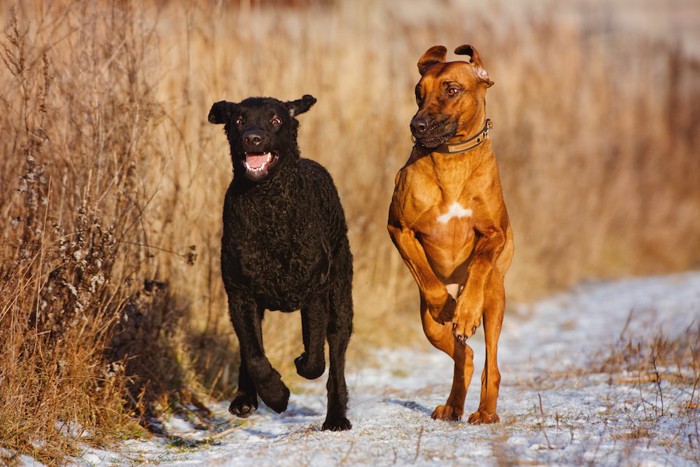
[
  {"x": 473, "y": 55},
  {"x": 300, "y": 106},
  {"x": 221, "y": 112}
]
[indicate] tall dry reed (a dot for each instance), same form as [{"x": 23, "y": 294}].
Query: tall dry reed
[{"x": 111, "y": 303}]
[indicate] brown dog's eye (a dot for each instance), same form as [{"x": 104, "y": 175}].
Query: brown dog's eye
[
  {"x": 419, "y": 98},
  {"x": 276, "y": 121},
  {"x": 452, "y": 91},
  {"x": 239, "y": 121}
]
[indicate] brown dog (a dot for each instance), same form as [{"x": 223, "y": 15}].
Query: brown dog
[{"x": 449, "y": 222}]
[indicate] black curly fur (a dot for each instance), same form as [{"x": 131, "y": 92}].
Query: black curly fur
[{"x": 284, "y": 247}]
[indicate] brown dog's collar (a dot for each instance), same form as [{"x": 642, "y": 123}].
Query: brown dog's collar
[{"x": 467, "y": 144}]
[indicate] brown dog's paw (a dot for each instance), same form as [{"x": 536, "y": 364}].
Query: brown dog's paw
[
  {"x": 447, "y": 413},
  {"x": 479, "y": 417},
  {"x": 465, "y": 324}
]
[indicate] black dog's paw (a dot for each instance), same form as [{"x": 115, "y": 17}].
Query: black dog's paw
[
  {"x": 243, "y": 405},
  {"x": 336, "y": 424},
  {"x": 275, "y": 395},
  {"x": 307, "y": 369}
]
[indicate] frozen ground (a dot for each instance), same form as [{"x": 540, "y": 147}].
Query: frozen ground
[{"x": 556, "y": 406}]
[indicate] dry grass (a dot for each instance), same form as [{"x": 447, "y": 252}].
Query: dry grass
[
  {"x": 654, "y": 359},
  {"x": 665, "y": 372},
  {"x": 113, "y": 180},
  {"x": 645, "y": 388}
]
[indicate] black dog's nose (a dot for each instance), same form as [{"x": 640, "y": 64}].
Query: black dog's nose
[
  {"x": 419, "y": 125},
  {"x": 252, "y": 138}
]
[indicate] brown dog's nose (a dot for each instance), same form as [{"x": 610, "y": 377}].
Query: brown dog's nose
[
  {"x": 252, "y": 138},
  {"x": 418, "y": 125}
]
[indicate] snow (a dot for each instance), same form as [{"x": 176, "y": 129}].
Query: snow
[{"x": 554, "y": 408}]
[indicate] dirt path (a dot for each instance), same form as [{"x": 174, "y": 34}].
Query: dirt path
[{"x": 556, "y": 406}]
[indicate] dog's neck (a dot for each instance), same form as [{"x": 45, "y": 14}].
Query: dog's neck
[
  {"x": 443, "y": 158},
  {"x": 467, "y": 144}
]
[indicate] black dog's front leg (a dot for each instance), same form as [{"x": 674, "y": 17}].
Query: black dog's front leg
[
  {"x": 247, "y": 322},
  {"x": 245, "y": 401},
  {"x": 314, "y": 318}
]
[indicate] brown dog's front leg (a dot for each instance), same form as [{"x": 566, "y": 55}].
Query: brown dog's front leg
[
  {"x": 440, "y": 303},
  {"x": 470, "y": 304}
]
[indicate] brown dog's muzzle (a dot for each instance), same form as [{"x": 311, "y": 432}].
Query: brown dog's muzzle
[{"x": 431, "y": 131}]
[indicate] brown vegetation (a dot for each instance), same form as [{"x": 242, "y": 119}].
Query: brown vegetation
[{"x": 112, "y": 180}]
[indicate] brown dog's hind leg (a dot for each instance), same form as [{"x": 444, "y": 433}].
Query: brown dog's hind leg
[
  {"x": 441, "y": 336},
  {"x": 491, "y": 378}
]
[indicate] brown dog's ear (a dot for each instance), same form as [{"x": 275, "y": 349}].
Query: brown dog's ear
[
  {"x": 220, "y": 112},
  {"x": 300, "y": 106},
  {"x": 435, "y": 54},
  {"x": 473, "y": 55}
]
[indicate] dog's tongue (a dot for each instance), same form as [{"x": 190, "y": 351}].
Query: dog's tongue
[{"x": 255, "y": 161}]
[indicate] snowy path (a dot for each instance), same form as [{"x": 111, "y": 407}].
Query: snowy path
[{"x": 552, "y": 410}]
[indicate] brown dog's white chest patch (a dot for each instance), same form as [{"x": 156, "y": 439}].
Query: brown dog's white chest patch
[{"x": 455, "y": 211}]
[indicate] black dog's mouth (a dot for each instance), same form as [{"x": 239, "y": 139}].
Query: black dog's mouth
[{"x": 258, "y": 164}]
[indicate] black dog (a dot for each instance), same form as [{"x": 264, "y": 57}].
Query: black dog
[{"x": 284, "y": 247}]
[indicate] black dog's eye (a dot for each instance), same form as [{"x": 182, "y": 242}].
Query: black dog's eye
[
  {"x": 239, "y": 121},
  {"x": 276, "y": 121}
]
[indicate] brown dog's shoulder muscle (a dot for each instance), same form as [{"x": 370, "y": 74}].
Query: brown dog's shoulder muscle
[{"x": 414, "y": 194}]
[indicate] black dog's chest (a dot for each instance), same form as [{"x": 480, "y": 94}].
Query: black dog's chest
[
  {"x": 277, "y": 234},
  {"x": 277, "y": 248}
]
